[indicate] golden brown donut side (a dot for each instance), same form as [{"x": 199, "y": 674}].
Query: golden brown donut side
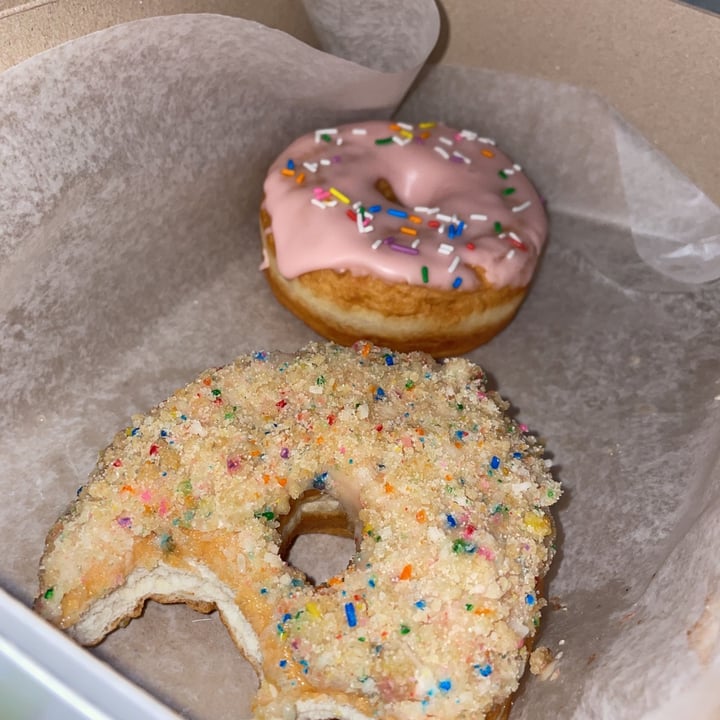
[{"x": 346, "y": 308}]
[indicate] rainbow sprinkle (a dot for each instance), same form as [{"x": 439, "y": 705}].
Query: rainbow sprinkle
[{"x": 350, "y": 614}]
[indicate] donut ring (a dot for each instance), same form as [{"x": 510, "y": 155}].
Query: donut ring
[
  {"x": 415, "y": 237},
  {"x": 446, "y": 496}
]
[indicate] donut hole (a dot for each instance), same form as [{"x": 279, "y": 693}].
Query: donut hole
[
  {"x": 318, "y": 536},
  {"x": 383, "y": 186}
]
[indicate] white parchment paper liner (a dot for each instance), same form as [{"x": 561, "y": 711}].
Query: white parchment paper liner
[{"x": 131, "y": 167}]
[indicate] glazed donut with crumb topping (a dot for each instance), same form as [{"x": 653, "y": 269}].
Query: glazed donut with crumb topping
[
  {"x": 447, "y": 497},
  {"x": 418, "y": 237}
]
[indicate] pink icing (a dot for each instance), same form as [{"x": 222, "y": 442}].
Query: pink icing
[{"x": 442, "y": 177}]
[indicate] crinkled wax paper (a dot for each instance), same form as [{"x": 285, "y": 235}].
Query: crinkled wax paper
[{"x": 131, "y": 167}]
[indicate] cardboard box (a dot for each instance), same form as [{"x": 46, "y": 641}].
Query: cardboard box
[{"x": 124, "y": 271}]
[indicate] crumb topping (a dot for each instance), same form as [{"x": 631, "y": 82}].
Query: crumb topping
[
  {"x": 541, "y": 659},
  {"x": 450, "y": 497}
]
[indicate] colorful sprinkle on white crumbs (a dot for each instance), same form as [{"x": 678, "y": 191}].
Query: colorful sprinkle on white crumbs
[{"x": 449, "y": 496}]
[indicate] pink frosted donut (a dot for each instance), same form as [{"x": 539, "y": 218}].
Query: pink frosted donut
[{"x": 417, "y": 237}]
